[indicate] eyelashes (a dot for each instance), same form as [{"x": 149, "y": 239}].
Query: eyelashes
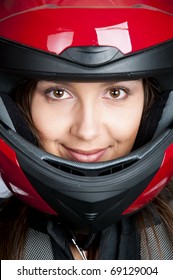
[
  {"x": 57, "y": 93},
  {"x": 113, "y": 93},
  {"x": 117, "y": 93}
]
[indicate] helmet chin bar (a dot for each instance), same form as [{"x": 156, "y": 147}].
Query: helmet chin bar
[{"x": 89, "y": 204}]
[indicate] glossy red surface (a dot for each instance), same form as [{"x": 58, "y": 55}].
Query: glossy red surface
[
  {"x": 8, "y": 7},
  {"x": 160, "y": 180},
  {"x": 16, "y": 180},
  {"x": 55, "y": 29}
]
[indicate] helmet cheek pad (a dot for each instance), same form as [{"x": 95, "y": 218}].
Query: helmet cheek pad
[
  {"x": 151, "y": 123},
  {"x": 13, "y": 118}
]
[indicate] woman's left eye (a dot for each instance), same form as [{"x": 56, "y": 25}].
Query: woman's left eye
[
  {"x": 116, "y": 93},
  {"x": 58, "y": 94}
]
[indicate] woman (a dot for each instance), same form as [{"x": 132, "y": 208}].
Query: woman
[
  {"x": 95, "y": 120},
  {"x": 92, "y": 117}
]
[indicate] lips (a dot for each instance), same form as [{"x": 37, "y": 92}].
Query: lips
[{"x": 85, "y": 156}]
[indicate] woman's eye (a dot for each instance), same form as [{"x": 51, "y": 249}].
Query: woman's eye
[
  {"x": 116, "y": 93},
  {"x": 58, "y": 94}
]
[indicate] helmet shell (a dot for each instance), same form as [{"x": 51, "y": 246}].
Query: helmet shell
[
  {"x": 57, "y": 25},
  {"x": 77, "y": 40}
]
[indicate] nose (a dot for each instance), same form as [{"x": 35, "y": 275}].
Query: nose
[{"x": 86, "y": 124}]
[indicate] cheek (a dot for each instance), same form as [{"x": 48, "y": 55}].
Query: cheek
[
  {"x": 125, "y": 126},
  {"x": 49, "y": 129},
  {"x": 47, "y": 120}
]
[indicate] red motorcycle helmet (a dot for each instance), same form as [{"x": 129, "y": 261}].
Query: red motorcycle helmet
[{"x": 78, "y": 41}]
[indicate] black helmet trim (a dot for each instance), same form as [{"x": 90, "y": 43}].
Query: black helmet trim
[{"x": 156, "y": 62}]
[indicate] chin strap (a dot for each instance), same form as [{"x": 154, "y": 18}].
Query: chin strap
[
  {"x": 81, "y": 251},
  {"x": 82, "y": 242}
]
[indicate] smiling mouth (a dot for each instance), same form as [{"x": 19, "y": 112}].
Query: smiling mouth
[{"x": 86, "y": 156}]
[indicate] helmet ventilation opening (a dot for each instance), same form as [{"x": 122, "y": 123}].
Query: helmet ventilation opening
[{"x": 89, "y": 170}]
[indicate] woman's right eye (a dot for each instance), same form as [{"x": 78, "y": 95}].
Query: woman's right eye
[{"x": 60, "y": 93}]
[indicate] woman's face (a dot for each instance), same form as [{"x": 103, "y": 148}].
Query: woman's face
[{"x": 88, "y": 122}]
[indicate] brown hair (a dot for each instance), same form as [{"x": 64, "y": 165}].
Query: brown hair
[
  {"x": 22, "y": 97},
  {"x": 14, "y": 213}
]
